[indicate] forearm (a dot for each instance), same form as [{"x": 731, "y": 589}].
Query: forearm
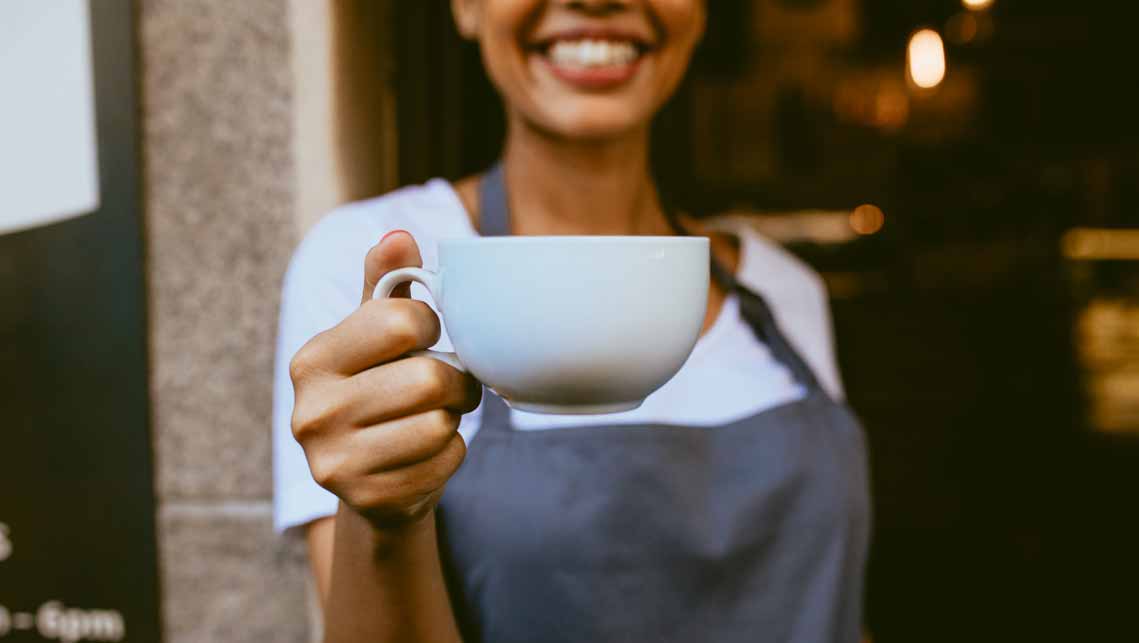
[{"x": 387, "y": 586}]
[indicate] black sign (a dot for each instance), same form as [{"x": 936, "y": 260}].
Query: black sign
[{"x": 77, "y": 535}]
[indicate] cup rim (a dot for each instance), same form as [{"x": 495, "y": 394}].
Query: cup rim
[{"x": 578, "y": 239}]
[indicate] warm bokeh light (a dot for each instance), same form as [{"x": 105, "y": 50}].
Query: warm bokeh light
[
  {"x": 977, "y": 5},
  {"x": 969, "y": 27},
  {"x": 925, "y": 58},
  {"x": 891, "y": 108},
  {"x": 867, "y": 219},
  {"x": 962, "y": 28},
  {"x": 1117, "y": 244}
]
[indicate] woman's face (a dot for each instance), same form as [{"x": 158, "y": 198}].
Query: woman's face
[{"x": 584, "y": 69}]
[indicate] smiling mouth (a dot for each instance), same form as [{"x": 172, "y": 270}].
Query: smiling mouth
[
  {"x": 592, "y": 53},
  {"x": 592, "y": 61}
]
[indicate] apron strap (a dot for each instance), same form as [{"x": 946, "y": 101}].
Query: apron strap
[
  {"x": 758, "y": 315},
  {"x": 494, "y": 207}
]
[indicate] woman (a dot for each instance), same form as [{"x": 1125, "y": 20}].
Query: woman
[{"x": 745, "y": 518}]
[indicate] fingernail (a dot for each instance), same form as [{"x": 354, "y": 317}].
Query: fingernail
[{"x": 391, "y": 233}]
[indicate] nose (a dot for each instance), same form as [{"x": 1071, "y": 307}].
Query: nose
[{"x": 596, "y": 6}]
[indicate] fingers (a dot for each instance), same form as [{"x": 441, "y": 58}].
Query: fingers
[
  {"x": 407, "y": 440},
  {"x": 408, "y": 387},
  {"x": 426, "y": 475},
  {"x": 383, "y": 447},
  {"x": 378, "y": 332},
  {"x": 393, "y": 466},
  {"x": 379, "y": 429},
  {"x": 396, "y": 249},
  {"x": 406, "y": 493}
]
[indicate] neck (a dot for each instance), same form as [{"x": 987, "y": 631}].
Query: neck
[{"x": 560, "y": 186}]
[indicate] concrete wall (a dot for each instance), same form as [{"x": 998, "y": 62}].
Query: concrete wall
[
  {"x": 218, "y": 203},
  {"x": 258, "y": 116}
]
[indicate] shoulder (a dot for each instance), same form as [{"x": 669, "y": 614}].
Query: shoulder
[
  {"x": 333, "y": 250},
  {"x": 796, "y": 293},
  {"x": 325, "y": 273},
  {"x": 428, "y": 211}
]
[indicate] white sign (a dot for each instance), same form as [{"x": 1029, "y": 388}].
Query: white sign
[{"x": 48, "y": 162}]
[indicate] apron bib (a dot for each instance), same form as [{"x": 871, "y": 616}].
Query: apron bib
[{"x": 752, "y": 531}]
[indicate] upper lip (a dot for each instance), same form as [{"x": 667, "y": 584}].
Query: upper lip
[{"x": 594, "y": 33}]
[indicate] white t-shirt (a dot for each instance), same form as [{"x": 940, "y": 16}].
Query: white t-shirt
[{"x": 729, "y": 375}]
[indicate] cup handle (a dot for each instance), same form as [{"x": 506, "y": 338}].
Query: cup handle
[{"x": 430, "y": 281}]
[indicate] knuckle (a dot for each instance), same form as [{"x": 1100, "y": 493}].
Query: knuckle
[
  {"x": 303, "y": 363},
  {"x": 325, "y": 472},
  {"x": 401, "y": 324},
  {"x": 406, "y": 323},
  {"x": 440, "y": 426},
  {"x": 431, "y": 380},
  {"x": 448, "y": 420},
  {"x": 304, "y": 428},
  {"x": 312, "y": 419}
]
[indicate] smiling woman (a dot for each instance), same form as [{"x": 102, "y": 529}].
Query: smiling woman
[{"x": 732, "y": 500}]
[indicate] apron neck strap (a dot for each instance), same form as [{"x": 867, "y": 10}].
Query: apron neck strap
[
  {"x": 494, "y": 221},
  {"x": 494, "y": 206},
  {"x": 757, "y": 314}
]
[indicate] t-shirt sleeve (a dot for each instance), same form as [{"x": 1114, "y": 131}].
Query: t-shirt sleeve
[{"x": 321, "y": 287}]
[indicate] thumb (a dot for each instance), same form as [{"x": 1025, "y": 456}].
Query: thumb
[{"x": 396, "y": 249}]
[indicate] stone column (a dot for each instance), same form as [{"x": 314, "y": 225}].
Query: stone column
[
  {"x": 258, "y": 117},
  {"x": 220, "y": 225}
]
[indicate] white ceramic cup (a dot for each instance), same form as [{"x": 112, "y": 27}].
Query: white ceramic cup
[{"x": 568, "y": 324}]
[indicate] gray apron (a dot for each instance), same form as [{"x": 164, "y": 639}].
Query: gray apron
[{"x": 756, "y": 530}]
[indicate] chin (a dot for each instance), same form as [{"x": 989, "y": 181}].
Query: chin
[{"x": 593, "y": 122}]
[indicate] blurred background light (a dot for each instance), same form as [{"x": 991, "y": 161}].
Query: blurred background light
[
  {"x": 1101, "y": 243},
  {"x": 977, "y": 5},
  {"x": 969, "y": 27},
  {"x": 925, "y": 58},
  {"x": 867, "y": 219},
  {"x": 962, "y": 28}
]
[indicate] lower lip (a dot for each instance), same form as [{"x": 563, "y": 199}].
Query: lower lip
[{"x": 594, "y": 78}]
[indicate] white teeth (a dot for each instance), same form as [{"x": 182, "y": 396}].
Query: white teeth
[{"x": 593, "y": 53}]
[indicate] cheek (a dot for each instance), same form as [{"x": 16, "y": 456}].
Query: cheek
[
  {"x": 500, "y": 39},
  {"x": 503, "y": 22},
  {"x": 683, "y": 20}
]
